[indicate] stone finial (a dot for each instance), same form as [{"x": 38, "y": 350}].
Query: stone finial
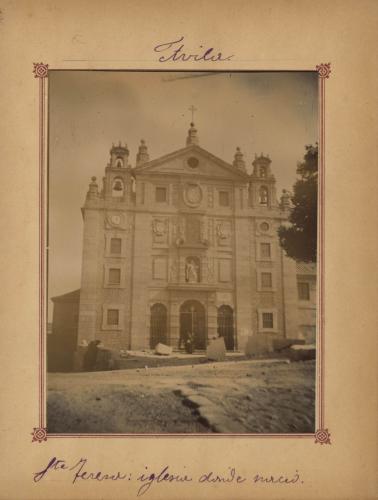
[
  {"x": 239, "y": 160},
  {"x": 192, "y": 135},
  {"x": 285, "y": 199},
  {"x": 93, "y": 189},
  {"x": 142, "y": 156}
]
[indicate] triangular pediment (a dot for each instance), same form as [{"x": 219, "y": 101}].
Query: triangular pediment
[{"x": 192, "y": 161}]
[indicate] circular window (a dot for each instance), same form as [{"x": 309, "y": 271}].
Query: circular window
[
  {"x": 264, "y": 226},
  {"x": 192, "y": 162}
]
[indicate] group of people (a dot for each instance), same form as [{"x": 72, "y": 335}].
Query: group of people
[{"x": 188, "y": 340}]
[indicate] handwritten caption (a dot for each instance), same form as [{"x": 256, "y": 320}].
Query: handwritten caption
[
  {"x": 145, "y": 480},
  {"x": 175, "y": 51}
]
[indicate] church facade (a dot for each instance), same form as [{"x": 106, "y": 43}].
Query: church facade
[{"x": 186, "y": 246}]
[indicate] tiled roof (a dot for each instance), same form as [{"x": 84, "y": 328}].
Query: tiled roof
[{"x": 67, "y": 297}]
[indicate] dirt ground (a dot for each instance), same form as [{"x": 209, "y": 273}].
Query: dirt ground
[{"x": 242, "y": 396}]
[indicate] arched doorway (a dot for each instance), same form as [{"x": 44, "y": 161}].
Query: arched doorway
[
  {"x": 226, "y": 326},
  {"x": 158, "y": 325},
  {"x": 193, "y": 324}
]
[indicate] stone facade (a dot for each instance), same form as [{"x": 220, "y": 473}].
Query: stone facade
[{"x": 185, "y": 246}]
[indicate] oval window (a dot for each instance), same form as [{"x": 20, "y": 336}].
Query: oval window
[{"x": 193, "y": 162}]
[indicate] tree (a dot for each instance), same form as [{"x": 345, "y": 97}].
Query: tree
[{"x": 299, "y": 237}]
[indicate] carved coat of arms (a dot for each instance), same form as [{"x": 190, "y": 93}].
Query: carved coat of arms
[
  {"x": 158, "y": 227},
  {"x": 223, "y": 230},
  {"x": 192, "y": 195}
]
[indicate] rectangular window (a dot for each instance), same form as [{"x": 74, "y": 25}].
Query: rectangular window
[
  {"x": 115, "y": 245},
  {"x": 113, "y": 317},
  {"x": 161, "y": 194},
  {"x": 304, "y": 291},
  {"x": 114, "y": 276},
  {"x": 224, "y": 198},
  {"x": 266, "y": 280},
  {"x": 265, "y": 250},
  {"x": 267, "y": 320}
]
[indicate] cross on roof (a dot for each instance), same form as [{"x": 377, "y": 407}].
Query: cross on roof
[{"x": 192, "y": 109}]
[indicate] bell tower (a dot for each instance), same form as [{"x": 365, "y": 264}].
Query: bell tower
[
  {"x": 117, "y": 180},
  {"x": 262, "y": 185}
]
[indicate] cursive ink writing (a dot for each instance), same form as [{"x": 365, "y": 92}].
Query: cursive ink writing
[
  {"x": 80, "y": 471},
  {"x": 163, "y": 476},
  {"x": 211, "y": 477},
  {"x": 54, "y": 464},
  {"x": 174, "y": 51},
  {"x": 276, "y": 480},
  {"x": 98, "y": 476}
]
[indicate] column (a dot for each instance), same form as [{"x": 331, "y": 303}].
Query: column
[{"x": 141, "y": 279}]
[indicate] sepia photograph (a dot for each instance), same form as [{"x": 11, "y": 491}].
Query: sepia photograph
[{"x": 182, "y": 252}]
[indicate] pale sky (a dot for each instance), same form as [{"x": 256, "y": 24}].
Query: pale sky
[{"x": 274, "y": 113}]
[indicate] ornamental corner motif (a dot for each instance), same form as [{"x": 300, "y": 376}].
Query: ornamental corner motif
[
  {"x": 40, "y": 70},
  {"x": 39, "y": 434},
  {"x": 322, "y": 436},
  {"x": 324, "y": 70}
]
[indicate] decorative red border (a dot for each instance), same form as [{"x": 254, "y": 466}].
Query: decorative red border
[
  {"x": 41, "y": 72},
  {"x": 322, "y": 435},
  {"x": 40, "y": 433}
]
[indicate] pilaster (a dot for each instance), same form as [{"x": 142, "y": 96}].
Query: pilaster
[
  {"x": 242, "y": 282},
  {"x": 89, "y": 275}
]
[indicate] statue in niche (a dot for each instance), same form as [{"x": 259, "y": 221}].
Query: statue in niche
[{"x": 191, "y": 271}]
